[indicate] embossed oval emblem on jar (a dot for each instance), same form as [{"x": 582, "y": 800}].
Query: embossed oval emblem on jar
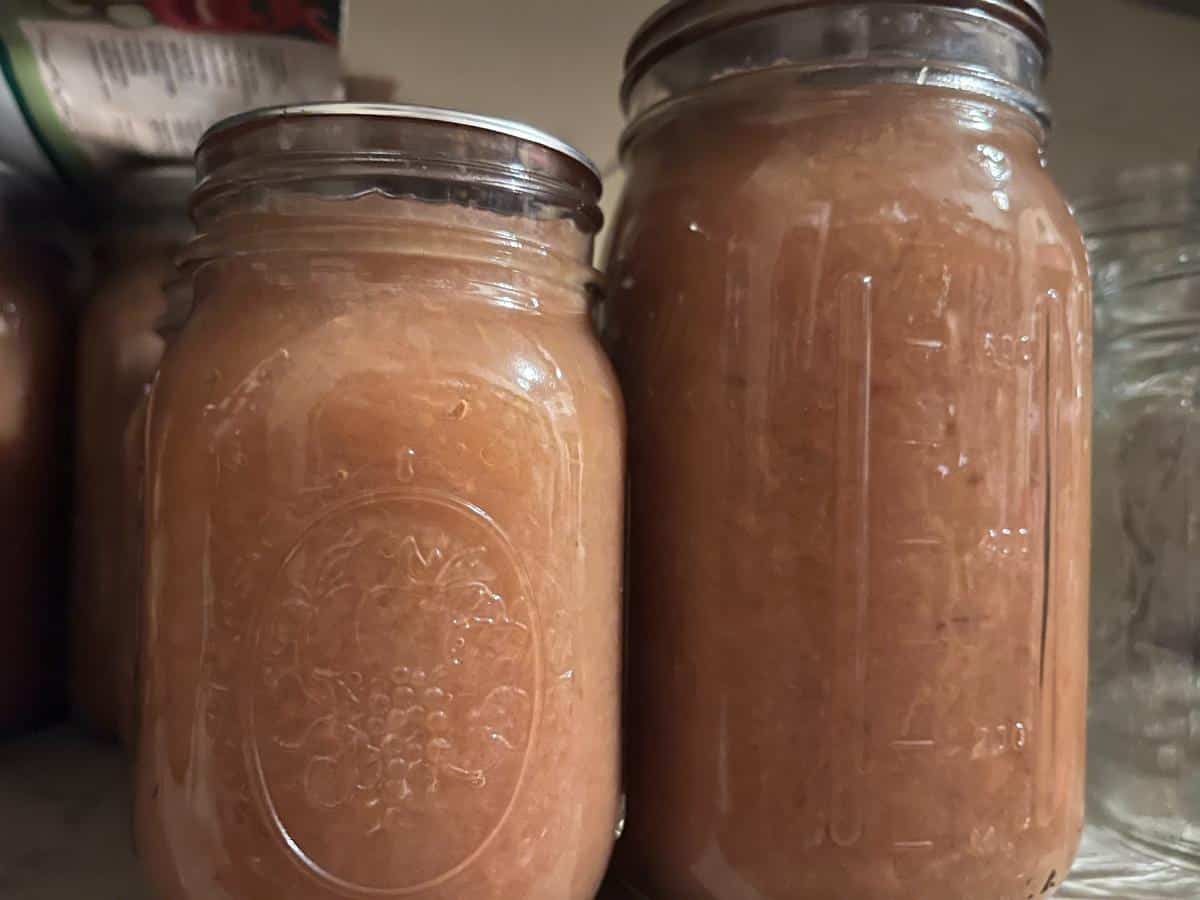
[{"x": 395, "y": 690}]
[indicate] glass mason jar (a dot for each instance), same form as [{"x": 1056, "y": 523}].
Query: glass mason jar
[
  {"x": 35, "y": 311},
  {"x": 119, "y": 351},
  {"x": 1144, "y": 761},
  {"x": 384, "y": 507},
  {"x": 853, "y": 326},
  {"x": 1139, "y": 210},
  {"x": 177, "y": 296}
]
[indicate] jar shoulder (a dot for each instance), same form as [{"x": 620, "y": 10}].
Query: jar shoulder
[
  {"x": 387, "y": 359},
  {"x": 911, "y": 165}
]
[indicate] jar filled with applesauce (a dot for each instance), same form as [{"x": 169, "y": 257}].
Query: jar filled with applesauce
[
  {"x": 36, "y": 305},
  {"x": 119, "y": 351},
  {"x": 384, "y": 511},
  {"x": 851, "y": 315}
]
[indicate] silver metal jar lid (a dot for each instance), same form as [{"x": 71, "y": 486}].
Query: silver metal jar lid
[{"x": 433, "y": 114}]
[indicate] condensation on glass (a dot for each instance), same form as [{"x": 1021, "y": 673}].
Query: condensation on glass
[
  {"x": 1144, "y": 760},
  {"x": 384, "y": 506},
  {"x": 119, "y": 349},
  {"x": 36, "y": 263},
  {"x": 851, "y": 315}
]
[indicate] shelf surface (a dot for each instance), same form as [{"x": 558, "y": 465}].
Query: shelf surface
[
  {"x": 65, "y": 820},
  {"x": 65, "y": 832}
]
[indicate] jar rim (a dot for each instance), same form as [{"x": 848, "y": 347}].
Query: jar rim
[
  {"x": 685, "y": 20},
  {"x": 345, "y": 150},
  {"x": 435, "y": 114},
  {"x": 680, "y": 23}
]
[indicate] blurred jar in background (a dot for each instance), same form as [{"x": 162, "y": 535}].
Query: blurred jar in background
[
  {"x": 119, "y": 352},
  {"x": 178, "y": 292},
  {"x": 36, "y": 304},
  {"x": 1144, "y": 759}
]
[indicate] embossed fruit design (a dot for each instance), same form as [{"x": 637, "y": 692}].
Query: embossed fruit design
[{"x": 396, "y": 690}]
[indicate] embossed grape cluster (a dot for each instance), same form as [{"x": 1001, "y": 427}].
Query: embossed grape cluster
[{"x": 388, "y": 738}]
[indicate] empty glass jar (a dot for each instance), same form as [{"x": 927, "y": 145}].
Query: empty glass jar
[
  {"x": 1140, "y": 210},
  {"x": 1144, "y": 762}
]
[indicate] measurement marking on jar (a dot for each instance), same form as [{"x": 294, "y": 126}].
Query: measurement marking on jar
[
  {"x": 1031, "y": 456},
  {"x": 914, "y": 744},
  {"x": 1047, "y": 749},
  {"x": 851, "y": 558},
  {"x": 913, "y": 845},
  {"x": 820, "y": 217},
  {"x": 926, "y": 343},
  {"x": 921, "y": 542},
  {"x": 1048, "y": 500}
]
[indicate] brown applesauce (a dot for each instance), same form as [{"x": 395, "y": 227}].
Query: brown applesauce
[
  {"x": 119, "y": 352},
  {"x": 384, "y": 507},
  {"x": 852, "y": 324},
  {"x": 35, "y": 308}
]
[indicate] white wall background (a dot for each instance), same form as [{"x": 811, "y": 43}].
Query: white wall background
[
  {"x": 1125, "y": 81},
  {"x": 1125, "y": 87}
]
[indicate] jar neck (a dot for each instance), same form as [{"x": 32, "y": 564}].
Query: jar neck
[
  {"x": 479, "y": 206},
  {"x": 522, "y": 260},
  {"x": 967, "y": 49}
]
